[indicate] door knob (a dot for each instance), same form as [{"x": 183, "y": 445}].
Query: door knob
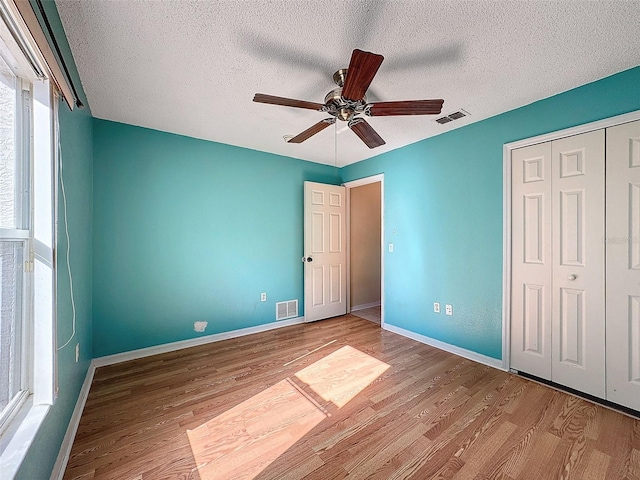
[
  {"x": 572, "y": 277},
  {"x": 307, "y": 259}
]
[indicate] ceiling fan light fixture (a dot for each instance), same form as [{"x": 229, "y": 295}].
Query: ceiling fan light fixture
[{"x": 345, "y": 114}]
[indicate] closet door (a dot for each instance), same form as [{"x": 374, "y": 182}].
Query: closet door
[
  {"x": 623, "y": 264},
  {"x": 578, "y": 318},
  {"x": 531, "y": 260}
]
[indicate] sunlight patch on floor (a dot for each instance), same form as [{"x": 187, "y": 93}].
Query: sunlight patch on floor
[
  {"x": 246, "y": 439},
  {"x": 340, "y": 376},
  {"x": 243, "y": 441}
]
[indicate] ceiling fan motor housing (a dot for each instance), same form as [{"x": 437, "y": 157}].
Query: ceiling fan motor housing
[
  {"x": 340, "y": 107},
  {"x": 340, "y": 76}
]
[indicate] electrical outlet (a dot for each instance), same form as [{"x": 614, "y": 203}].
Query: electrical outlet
[
  {"x": 77, "y": 352},
  {"x": 448, "y": 309},
  {"x": 436, "y": 307},
  {"x": 263, "y": 297}
]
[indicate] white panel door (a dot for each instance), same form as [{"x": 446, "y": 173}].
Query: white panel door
[
  {"x": 325, "y": 276},
  {"x": 531, "y": 260},
  {"x": 623, "y": 264},
  {"x": 578, "y": 318}
]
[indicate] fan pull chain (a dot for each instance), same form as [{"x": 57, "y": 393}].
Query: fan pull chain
[{"x": 335, "y": 144}]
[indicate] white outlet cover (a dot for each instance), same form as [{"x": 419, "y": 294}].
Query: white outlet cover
[
  {"x": 448, "y": 309},
  {"x": 436, "y": 307}
]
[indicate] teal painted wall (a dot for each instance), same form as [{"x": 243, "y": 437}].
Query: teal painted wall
[
  {"x": 77, "y": 155},
  {"x": 187, "y": 230},
  {"x": 443, "y": 212}
]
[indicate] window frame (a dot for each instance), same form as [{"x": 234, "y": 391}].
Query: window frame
[
  {"x": 22, "y": 233},
  {"x": 39, "y": 334}
]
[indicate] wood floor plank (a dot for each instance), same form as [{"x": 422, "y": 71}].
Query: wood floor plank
[
  {"x": 339, "y": 399},
  {"x": 406, "y": 464},
  {"x": 486, "y": 444},
  {"x": 596, "y": 466},
  {"x": 511, "y": 458}
]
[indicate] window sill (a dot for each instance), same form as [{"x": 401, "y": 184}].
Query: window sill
[{"x": 16, "y": 440}]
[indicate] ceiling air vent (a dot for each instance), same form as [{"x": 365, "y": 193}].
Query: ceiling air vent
[
  {"x": 286, "y": 310},
  {"x": 442, "y": 120},
  {"x": 452, "y": 116}
]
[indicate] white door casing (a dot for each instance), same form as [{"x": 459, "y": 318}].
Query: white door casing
[
  {"x": 623, "y": 265},
  {"x": 578, "y": 226},
  {"x": 531, "y": 260},
  {"x": 325, "y": 285}
]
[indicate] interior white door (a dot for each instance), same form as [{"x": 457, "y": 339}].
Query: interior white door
[
  {"x": 325, "y": 260},
  {"x": 623, "y": 264},
  {"x": 531, "y": 255},
  {"x": 578, "y": 318}
]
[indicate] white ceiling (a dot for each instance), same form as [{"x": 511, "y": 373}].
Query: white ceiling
[{"x": 192, "y": 68}]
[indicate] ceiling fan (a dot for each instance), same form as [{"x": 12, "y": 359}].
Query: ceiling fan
[{"x": 348, "y": 102}]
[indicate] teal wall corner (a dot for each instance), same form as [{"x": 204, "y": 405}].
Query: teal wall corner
[
  {"x": 189, "y": 231},
  {"x": 444, "y": 213}
]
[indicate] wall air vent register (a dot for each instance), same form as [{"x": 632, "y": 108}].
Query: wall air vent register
[{"x": 286, "y": 310}]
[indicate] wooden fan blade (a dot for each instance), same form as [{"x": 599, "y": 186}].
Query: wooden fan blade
[
  {"x": 366, "y": 132},
  {"x": 311, "y": 131},
  {"x": 406, "y": 107},
  {"x": 286, "y": 102},
  {"x": 362, "y": 68}
]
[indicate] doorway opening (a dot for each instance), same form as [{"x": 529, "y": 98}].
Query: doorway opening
[{"x": 365, "y": 253}]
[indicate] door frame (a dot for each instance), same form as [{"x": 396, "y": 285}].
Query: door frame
[
  {"x": 506, "y": 201},
  {"x": 358, "y": 183}
]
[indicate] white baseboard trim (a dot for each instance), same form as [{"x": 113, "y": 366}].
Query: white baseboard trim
[
  {"x": 192, "y": 342},
  {"x": 447, "y": 347},
  {"x": 355, "y": 308},
  {"x": 67, "y": 442}
]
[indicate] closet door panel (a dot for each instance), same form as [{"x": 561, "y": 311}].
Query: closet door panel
[
  {"x": 531, "y": 260},
  {"x": 623, "y": 264},
  {"x": 578, "y": 316}
]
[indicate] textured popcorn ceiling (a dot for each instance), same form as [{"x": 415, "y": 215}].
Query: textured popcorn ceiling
[{"x": 192, "y": 68}]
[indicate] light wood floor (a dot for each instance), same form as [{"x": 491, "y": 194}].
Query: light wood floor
[{"x": 339, "y": 398}]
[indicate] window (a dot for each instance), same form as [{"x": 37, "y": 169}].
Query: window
[
  {"x": 14, "y": 239},
  {"x": 27, "y": 233}
]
